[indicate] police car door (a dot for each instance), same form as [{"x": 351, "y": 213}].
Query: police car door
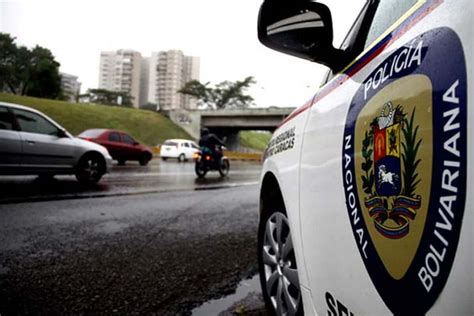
[{"x": 383, "y": 168}]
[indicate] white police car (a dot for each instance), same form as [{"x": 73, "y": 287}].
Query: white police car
[{"x": 367, "y": 190}]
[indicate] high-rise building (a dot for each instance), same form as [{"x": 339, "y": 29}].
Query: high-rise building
[
  {"x": 144, "y": 80},
  {"x": 70, "y": 85},
  {"x": 169, "y": 71},
  {"x": 191, "y": 72},
  {"x": 120, "y": 71}
]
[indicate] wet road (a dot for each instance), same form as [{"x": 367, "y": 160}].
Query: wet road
[
  {"x": 142, "y": 249},
  {"x": 132, "y": 178}
]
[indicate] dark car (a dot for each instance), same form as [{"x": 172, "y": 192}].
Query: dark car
[{"x": 121, "y": 146}]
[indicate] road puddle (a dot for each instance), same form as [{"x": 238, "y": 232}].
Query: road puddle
[{"x": 247, "y": 298}]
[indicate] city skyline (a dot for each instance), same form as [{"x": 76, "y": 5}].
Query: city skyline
[
  {"x": 150, "y": 80},
  {"x": 222, "y": 33}
]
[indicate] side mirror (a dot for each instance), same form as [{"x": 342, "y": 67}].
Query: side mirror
[
  {"x": 62, "y": 133},
  {"x": 300, "y": 28},
  {"x": 135, "y": 143}
]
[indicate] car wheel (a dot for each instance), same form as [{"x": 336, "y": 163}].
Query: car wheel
[
  {"x": 121, "y": 162},
  {"x": 181, "y": 158},
  {"x": 277, "y": 265},
  {"x": 144, "y": 159},
  {"x": 164, "y": 158},
  {"x": 90, "y": 169}
]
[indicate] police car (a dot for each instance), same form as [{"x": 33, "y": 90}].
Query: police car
[{"x": 366, "y": 190}]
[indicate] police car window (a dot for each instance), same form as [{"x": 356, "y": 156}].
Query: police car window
[
  {"x": 354, "y": 40},
  {"x": 6, "y": 121},
  {"x": 351, "y": 38},
  {"x": 387, "y": 13}
]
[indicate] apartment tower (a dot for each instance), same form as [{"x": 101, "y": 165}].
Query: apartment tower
[
  {"x": 120, "y": 71},
  {"x": 71, "y": 86},
  {"x": 168, "y": 72}
]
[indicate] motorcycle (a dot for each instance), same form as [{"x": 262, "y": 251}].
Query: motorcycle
[{"x": 206, "y": 161}]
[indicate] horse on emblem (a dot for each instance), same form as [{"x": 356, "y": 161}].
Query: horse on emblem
[{"x": 387, "y": 177}]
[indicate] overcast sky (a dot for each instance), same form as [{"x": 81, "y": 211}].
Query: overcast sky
[{"x": 222, "y": 33}]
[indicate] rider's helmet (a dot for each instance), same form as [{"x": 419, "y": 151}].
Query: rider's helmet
[{"x": 204, "y": 131}]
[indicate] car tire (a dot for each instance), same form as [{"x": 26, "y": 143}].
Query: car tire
[
  {"x": 144, "y": 159},
  {"x": 90, "y": 169},
  {"x": 164, "y": 158},
  {"x": 181, "y": 158},
  {"x": 277, "y": 264},
  {"x": 121, "y": 162}
]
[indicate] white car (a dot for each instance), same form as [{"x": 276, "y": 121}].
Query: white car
[
  {"x": 33, "y": 144},
  {"x": 366, "y": 190},
  {"x": 181, "y": 149}
]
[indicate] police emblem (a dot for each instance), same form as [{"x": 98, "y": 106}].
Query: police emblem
[
  {"x": 404, "y": 170},
  {"x": 382, "y": 144}
]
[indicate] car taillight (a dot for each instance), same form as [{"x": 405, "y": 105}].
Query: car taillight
[
  {"x": 196, "y": 156},
  {"x": 208, "y": 158}
]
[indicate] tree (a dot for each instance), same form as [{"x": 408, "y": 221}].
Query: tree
[
  {"x": 28, "y": 72},
  {"x": 106, "y": 97},
  {"x": 44, "y": 80},
  {"x": 226, "y": 94},
  {"x": 11, "y": 70}
]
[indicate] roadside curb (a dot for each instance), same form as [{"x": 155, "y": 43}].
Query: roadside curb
[{"x": 233, "y": 155}]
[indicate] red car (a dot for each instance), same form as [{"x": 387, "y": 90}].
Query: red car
[{"x": 121, "y": 146}]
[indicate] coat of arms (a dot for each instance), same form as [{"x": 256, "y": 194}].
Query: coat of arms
[
  {"x": 404, "y": 171},
  {"x": 389, "y": 176}
]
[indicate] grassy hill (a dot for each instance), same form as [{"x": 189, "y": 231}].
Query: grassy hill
[
  {"x": 149, "y": 127},
  {"x": 255, "y": 140}
]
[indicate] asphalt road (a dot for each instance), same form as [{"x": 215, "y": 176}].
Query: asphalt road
[
  {"x": 132, "y": 178},
  {"x": 137, "y": 249}
]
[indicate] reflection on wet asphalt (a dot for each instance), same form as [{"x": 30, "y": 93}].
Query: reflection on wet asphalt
[
  {"x": 247, "y": 299},
  {"x": 165, "y": 252},
  {"x": 132, "y": 178}
]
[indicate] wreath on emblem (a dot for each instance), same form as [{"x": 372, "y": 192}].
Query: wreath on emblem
[{"x": 391, "y": 197}]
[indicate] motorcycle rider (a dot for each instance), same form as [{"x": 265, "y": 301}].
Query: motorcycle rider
[{"x": 212, "y": 143}]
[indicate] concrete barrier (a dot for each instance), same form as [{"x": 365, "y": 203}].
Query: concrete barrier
[{"x": 235, "y": 155}]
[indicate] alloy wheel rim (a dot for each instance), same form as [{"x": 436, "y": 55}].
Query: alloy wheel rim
[
  {"x": 91, "y": 168},
  {"x": 281, "y": 274}
]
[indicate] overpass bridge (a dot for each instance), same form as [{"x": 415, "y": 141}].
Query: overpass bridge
[{"x": 228, "y": 123}]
